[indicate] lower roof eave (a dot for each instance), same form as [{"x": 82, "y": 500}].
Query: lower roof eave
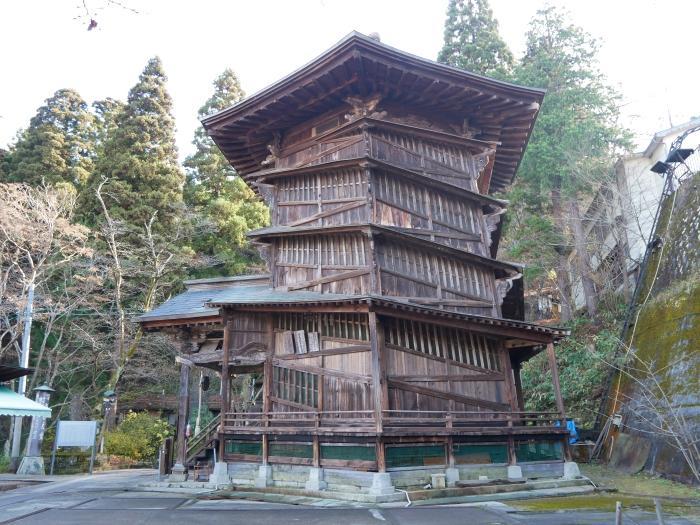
[{"x": 508, "y": 328}]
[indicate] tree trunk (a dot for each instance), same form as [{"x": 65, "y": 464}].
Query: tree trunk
[
  {"x": 562, "y": 271},
  {"x": 583, "y": 260}
]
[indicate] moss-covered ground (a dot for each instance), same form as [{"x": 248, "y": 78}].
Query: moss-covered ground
[{"x": 633, "y": 491}]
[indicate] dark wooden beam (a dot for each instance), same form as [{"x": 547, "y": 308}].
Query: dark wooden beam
[{"x": 225, "y": 388}]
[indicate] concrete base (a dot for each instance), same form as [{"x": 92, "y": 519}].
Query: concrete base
[
  {"x": 438, "y": 481},
  {"x": 31, "y": 466},
  {"x": 515, "y": 472},
  {"x": 264, "y": 476},
  {"x": 178, "y": 474},
  {"x": 571, "y": 470},
  {"x": 220, "y": 475},
  {"x": 381, "y": 484},
  {"x": 315, "y": 479},
  {"x": 451, "y": 476}
]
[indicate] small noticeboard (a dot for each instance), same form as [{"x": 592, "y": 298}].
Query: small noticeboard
[{"x": 75, "y": 434}]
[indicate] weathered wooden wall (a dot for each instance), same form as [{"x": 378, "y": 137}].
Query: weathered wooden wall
[
  {"x": 332, "y": 351},
  {"x": 433, "y": 215},
  {"x": 432, "y": 367},
  {"x": 331, "y": 263},
  {"x": 427, "y": 277}
]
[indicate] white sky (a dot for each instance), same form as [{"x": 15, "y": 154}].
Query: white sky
[{"x": 43, "y": 47}]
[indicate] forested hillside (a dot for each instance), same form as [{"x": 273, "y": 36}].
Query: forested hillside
[
  {"x": 99, "y": 221},
  {"x": 571, "y": 154}
]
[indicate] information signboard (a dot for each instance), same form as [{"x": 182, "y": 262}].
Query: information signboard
[{"x": 75, "y": 434}]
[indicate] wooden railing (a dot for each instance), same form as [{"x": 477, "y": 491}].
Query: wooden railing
[
  {"x": 403, "y": 151},
  {"x": 199, "y": 442},
  {"x": 364, "y": 420}
]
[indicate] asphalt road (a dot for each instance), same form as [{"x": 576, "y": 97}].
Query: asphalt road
[{"x": 114, "y": 498}]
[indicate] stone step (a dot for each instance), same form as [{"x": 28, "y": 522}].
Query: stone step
[{"x": 492, "y": 487}]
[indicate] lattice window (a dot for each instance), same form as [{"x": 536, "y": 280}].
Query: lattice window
[
  {"x": 440, "y": 341},
  {"x": 295, "y": 386},
  {"x": 335, "y": 326}
]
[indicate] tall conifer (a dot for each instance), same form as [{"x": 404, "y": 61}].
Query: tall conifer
[
  {"x": 57, "y": 147},
  {"x": 225, "y": 205},
  {"x": 138, "y": 155},
  {"x": 472, "y": 41}
]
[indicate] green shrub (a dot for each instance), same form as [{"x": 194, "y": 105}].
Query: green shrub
[
  {"x": 138, "y": 436},
  {"x": 4, "y": 464}
]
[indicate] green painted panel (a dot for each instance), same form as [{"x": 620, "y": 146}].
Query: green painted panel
[
  {"x": 251, "y": 448},
  {"x": 292, "y": 450},
  {"x": 415, "y": 456},
  {"x": 474, "y": 453},
  {"x": 350, "y": 452},
  {"x": 538, "y": 450}
]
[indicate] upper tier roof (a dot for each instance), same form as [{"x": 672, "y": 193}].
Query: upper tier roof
[{"x": 360, "y": 66}]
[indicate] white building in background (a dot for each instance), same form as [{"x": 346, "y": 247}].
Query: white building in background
[{"x": 619, "y": 221}]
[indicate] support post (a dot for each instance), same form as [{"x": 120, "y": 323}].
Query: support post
[
  {"x": 552, "y": 358},
  {"x": 517, "y": 367},
  {"x": 570, "y": 468},
  {"x": 265, "y": 449},
  {"x": 316, "y": 448},
  {"x": 179, "y": 472},
  {"x": 381, "y": 457},
  {"x": 379, "y": 382},
  {"x": 220, "y": 476},
  {"x": 225, "y": 388}
]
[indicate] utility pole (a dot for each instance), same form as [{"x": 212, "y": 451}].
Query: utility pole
[{"x": 24, "y": 363}]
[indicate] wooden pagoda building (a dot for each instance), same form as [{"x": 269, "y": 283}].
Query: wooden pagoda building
[{"x": 387, "y": 337}]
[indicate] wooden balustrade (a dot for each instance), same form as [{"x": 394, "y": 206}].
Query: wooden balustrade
[{"x": 364, "y": 420}]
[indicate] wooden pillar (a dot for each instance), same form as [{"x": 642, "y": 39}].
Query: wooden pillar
[
  {"x": 552, "y": 358},
  {"x": 509, "y": 383},
  {"x": 180, "y": 467},
  {"x": 381, "y": 458},
  {"x": 265, "y": 449},
  {"x": 512, "y": 457},
  {"x": 316, "y": 446},
  {"x": 225, "y": 388},
  {"x": 267, "y": 388},
  {"x": 518, "y": 386},
  {"x": 380, "y": 389}
]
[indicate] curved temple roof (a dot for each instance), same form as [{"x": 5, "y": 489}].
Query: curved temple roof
[{"x": 359, "y": 66}]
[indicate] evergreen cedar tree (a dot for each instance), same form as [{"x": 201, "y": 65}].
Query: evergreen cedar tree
[
  {"x": 224, "y": 204},
  {"x": 572, "y": 147},
  {"x": 472, "y": 41},
  {"x": 139, "y": 156},
  {"x": 57, "y": 147}
]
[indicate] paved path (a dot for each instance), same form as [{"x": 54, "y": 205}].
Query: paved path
[{"x": 114, "y": 498}]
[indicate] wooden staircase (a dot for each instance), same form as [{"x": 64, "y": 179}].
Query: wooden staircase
[{"x": 198, "y": 445}]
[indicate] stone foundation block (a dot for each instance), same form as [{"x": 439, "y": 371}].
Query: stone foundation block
[
  {"x": 515, "y": 472},
  {"x": 31, "y": 466},
  {"x": 316, "y": 481},
  {"x": 571, "y": 470},
  {"x": 220, "y": 475},
  {"x": 178, "y": 474},
  {"x": 438, "y": 481},
  {"x": 264, "y": 478},
  {"x": 451, "y": 476},
  {"x": 381, "y": 484}
]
